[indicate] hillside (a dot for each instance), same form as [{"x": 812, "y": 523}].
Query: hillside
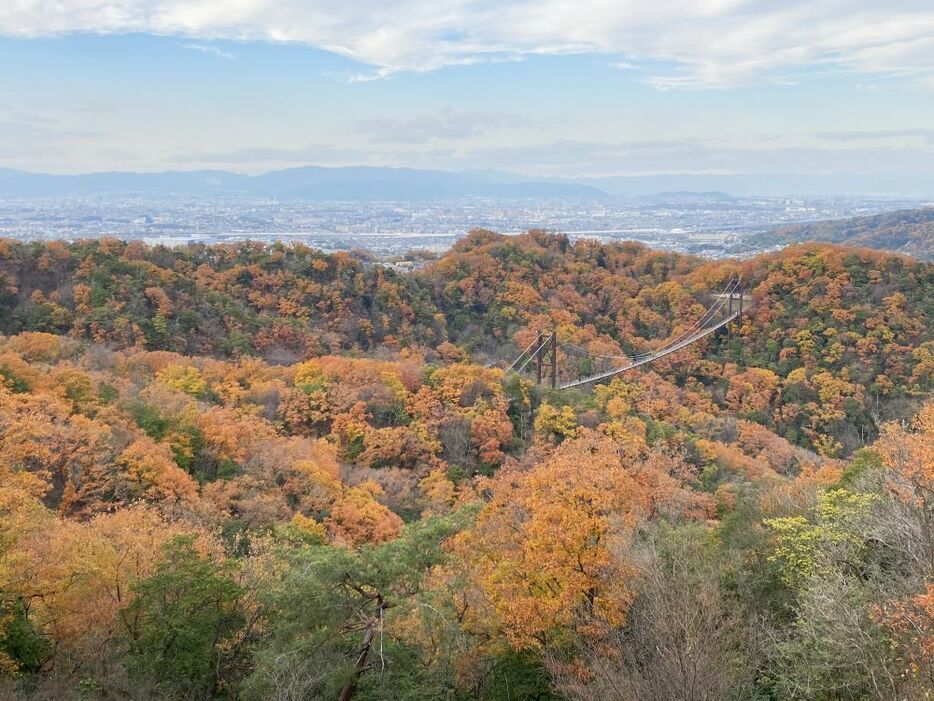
[
  {"x": 909, "y": 231},
  {"x": 819, "y": 308},
  {"x": 248, "y": 472}
]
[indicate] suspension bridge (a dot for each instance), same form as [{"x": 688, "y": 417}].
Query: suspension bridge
[{"x": 541, "y": 355}]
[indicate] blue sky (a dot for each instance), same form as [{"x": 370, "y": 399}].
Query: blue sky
[{"x": 544, "y": 88}]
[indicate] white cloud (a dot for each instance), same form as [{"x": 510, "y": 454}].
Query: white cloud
[
  {"x": 274, "y": 155},
  {"x": 591, "y": 158},
  {"x": 443, "y": 125},
  {"x": 878, "y": 134},
  {"x": 706, "y": 43},
  {"x": 208, "y": 49},
  {"x": 379, "y": 74}
]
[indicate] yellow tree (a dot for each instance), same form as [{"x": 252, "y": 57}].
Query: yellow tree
[
  {"x": 38, "y": 434},
  {"x": 150, "y": 472},
  {"x": 555, "y": 424},
  {"x": 752, "y": 390},
  {"x": 357, "y": 518},
  {"x": 184, "y": 378},
  {"x": 547, "y": 552}
]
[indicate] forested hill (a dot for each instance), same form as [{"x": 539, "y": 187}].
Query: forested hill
[
  {"x": 840, "y": 333},
  {"x": 909, "y": 231},
  {"x": 834, "y": 327},
  {"x": 243, "y": 473}
]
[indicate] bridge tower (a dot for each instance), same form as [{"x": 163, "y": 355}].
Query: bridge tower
[
  {"x": 736, "y": 294},
  {"x": 554, "y": 358},
  {"x": 540, "y": 345},
  {"x": 547, "y": 352}
]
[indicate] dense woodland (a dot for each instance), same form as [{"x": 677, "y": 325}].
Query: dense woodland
[
  {"x": 909, "y": 231},
  {"x": 262, "y": 472}
]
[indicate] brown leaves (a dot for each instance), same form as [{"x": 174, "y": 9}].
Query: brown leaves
[
  {"x": 752, "y": 390},
  {"x": 912, "y": 623},
  {"x": 78, "y": 577}
]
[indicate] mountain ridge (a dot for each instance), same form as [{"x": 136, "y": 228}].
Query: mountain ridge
[
  {"x": 908, "y": 231},
  {"x": 384, "y": 182},
  {"x": 364, "y": 183}
]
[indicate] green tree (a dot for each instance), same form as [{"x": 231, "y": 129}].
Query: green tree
[
  {"x": 334, "y": 612},
  {"x": 179, "y": 621}
]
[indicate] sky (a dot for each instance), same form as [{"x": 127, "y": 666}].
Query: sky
[{"x": 544, "y": 88}]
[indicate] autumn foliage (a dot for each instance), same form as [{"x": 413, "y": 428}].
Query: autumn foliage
[{"x": 264, "y": 472}]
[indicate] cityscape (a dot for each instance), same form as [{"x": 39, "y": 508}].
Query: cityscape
[{"x": 715, "y": 225}]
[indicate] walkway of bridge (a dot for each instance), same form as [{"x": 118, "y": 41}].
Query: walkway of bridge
[{"x": 729, "y": 306}]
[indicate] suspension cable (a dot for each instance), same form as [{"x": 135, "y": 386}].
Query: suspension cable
[
  {"x": 730, "y": 288},
  {"x": 514, "y": 362},
  {"x": 545, "y": 340}
]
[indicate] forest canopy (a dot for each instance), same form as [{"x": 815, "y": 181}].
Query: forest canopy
[
  {"x": 265, "y": 472},
  {"x": 909, "y": 231}
]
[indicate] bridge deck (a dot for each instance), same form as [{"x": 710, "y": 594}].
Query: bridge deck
[{"x": 655, "y": 356}]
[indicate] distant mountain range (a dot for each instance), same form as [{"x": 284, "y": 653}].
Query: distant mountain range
[
  {"x": 908, "y": 231},
  {"x": 309, "y": 183},
  {"x": 365, "y": 183}
]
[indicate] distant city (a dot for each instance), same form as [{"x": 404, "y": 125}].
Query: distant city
[{"x": 708, "y": 224}]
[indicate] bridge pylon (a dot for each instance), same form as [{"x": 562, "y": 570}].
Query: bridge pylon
[
  {"x": 540, "y": 346},
  {"x": 546, "y": 353},
  {"x": 554, "y": 358}
]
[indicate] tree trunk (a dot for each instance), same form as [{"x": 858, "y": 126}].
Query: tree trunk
[{"x": 362, "y": 653}]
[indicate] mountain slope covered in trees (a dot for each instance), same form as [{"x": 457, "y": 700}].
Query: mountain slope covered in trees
[
  {"x": 909, "y": 231},
  {"x": 246, "y": 472},
  {"x": 844, "y": 335}
]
